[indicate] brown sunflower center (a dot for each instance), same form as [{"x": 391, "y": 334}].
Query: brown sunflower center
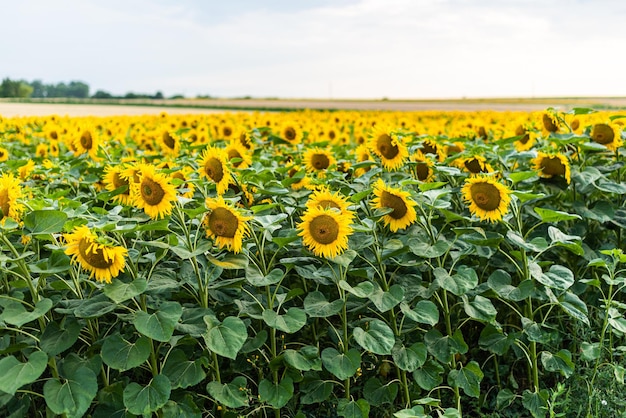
[
  {"x": 213, "y": 168},
  {"x": 324, "y": 229},
  {"x": 390, "y": 200},
  {"x": 320, "y": 161},
  {"x": 485, "y": 195},
  {"x": 290, "y": 133},
  {"x": 552, "y": 166},
  {"x": 223, "y": 223},
  {"x": 168, "y": 140},
  {"x": 422, "y": 170},
  {"x": 575, "y": 124},
  {"x": 428, "y": 148},
  {"x": 602, "y": 134},
  {"x": 474, "y": 166},
  {"x": 549, "y": 124},
  {"x": 118, "y": 182},
  {"x": 86, "y": 141},
  {"x": 519, "y": 131},
  {"x": 233, "y": 153},
  {"x": 524, "y": 140},
  {"x": 54, "y": 135},
  {"x": 227, "y": 131},
  {"x": 386, "y": 147},
  {"x": 93, "y": 257},
  {"x": 151, "y": 192}
]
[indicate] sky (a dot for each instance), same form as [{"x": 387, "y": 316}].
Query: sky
[{"x": 362, "y": 49}]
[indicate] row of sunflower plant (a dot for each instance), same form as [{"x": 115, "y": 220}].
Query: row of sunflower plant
[{"x": 313, "y": 264}]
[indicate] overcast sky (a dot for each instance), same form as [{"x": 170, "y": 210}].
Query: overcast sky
[{"x": 321, "y": 49}]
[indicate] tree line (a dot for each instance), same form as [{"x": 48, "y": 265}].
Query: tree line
[{"x": 73, "y": 89}]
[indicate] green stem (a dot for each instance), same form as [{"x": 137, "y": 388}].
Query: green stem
[{"x": 216, "y": 368}]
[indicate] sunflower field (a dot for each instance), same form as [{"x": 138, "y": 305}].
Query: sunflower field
[{"x": 313, "y": 264}]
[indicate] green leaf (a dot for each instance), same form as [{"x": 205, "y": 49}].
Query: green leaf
[
  {"x": 425, "y": 312},
  {"x": 536, "y": 245},
  {"x": 225, "y": 338},
  {"x": 378, "y": 338},
  {"x": 345, "y": 258},
  {"x": 468, "y": 378},
  {"x": 571, "y": 242},
  {"x": 500, "y": 282},
  {"x": 536, "y": 403},
  {"x": 353, "y": 409},
  {"x": 119, "y": 291},
  {"x": 589, "y": 351},
  {"x": 460, "y": 283},
  {"x": 45, "y": 221},
  {"x": 504, "y": 399},
  {"x": 341, "y": 365},
  {"x": 557, "y": 277},
  {"x": 305, "y": 359},
  {"x": 317, "y": 306},
  {"x": 256, "y": 278},
  {"x": 14, "y": 374},
  {"x": 315, "y": 390},
  {"x": 377, "y": 393},
  {"x": 14, "y": 312},
  {"x": 229, "y": 261},
  {"x": 494, "y": 340},
  {"x": 519, "y": 176},
  {"x": 425, "y": 250},
  {"x": 560, "y": 362},
  {"x": 74, "y": 394},
  {"x": 429, "y": 375},
  {"x": 480, "y": 309},
  {"x": 56, "y": 340},
  {"x": 232, "y": 395},
  {"x": 444, "y": 347},
  {"x": 526, "y": 196},
  {"x": 292, "y": 321},
  {"x": 549, "y": 215},
  {"x": 94, "y": 307},
  {"x": 182, "y": 372},
  {"x": 58, "y": 262},
  {"x": 160, "y": 324},
  {"x": 415, "y": 412},
  {"x": 120, "y": 354},
  {"x": 276, "y": 395},
  {"x": 574, "y": 307},
  {"x": 409, "y": 358},
  {"x": 143, "y": 400},
  {"x": 385, "y": 301}
]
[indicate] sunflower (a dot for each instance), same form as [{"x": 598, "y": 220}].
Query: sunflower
[
  {"x": 318, "y": 160},
  {"x": 551, "y": 165},
  {"x": 4, "y": 154},
  {"x": 423, "y": 168},
  {"x": 488, "y": 199},
  {"x": 186, "y": 188},
  {"x": 102, "y": 260},
  {"x": 324, "y": 199},
  {"x": 225, "y": 224},
  {"x": 237, "y": 152},
  {"x": 388, "y": 147},
  {"x": 403, "y": 207},
  {"x": 10, "y": 195},
  {"x": 475, "y": 164},
  {"x": 26, "y": 169},
  {"x": 113, "y": 180},
  {"x": 325, "y": 231},
  {"x": 291, "y": 132},
  {"x": 299, "y": 183},
  {"x": 527, "y": 140},
  {"x": 154, "y": 193},
  {"x": 430, "y": 147},
  {"x": 549, "y": 121},
  {"x": 362, "y": 155},
  {"x": 213, "y": 166},
  {"x": 169, "y": 142},
  {"x": 607, "y": 134},
  {"x": 87, "y": 142}
]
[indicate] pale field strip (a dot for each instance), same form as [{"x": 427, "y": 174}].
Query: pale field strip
[{"x": 194, "y": 106}]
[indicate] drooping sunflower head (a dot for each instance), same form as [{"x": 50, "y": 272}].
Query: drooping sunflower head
[
  {"x": 298, "y": 178},
  {"x": 228, "y": 226},
  {"x": 423, "y": 168},
  {"x": 318, "y": 160},
  {"x": 169, "y": 142},
  {"x": 214, "y": 167},
  {"x": 487, "y": 198},
  {"x": 113, "y": 180},
  {"x": 552, "y": 165},
  {"x": 325, "y": 232},
  {"x": 474, "y": 164},
  {"x": 4, "y": 154},
  {"x": 388, "y": 146},
  {"x": 154, "y": 193},
  {"x": 362, "y": 154},
  {"x": 607, "y": 134},
  {"x": 549, "y": 121},
  {"x": 11, "y": 194},
  {"x": 431, "y": 147},
  {"x": 181, "y": 181},
  {"x": 400, "y": 203},
  {"x": 528, "y": 138},
  {"x": 103, "y": 261}
]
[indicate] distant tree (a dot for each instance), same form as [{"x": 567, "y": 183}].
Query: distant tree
[
  {"x": 158, "y": 95},
  {"x": 177, "y": 96},
  {"x": 15, "y": 88},
  {"x": 39, "y": 88},
  {"x": 77, "y": 89},
  {"x": 101, "y": 94}
]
